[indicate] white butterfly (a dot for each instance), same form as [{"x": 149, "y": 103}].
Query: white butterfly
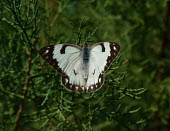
[{"x": 82, "y": 69}]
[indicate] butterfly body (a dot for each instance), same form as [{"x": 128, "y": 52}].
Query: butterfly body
[
  {"x": 82, "y": 69},
  {"x": 85, "y": 61}
]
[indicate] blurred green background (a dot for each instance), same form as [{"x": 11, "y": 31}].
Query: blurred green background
[{"x": 136, "y": 92}]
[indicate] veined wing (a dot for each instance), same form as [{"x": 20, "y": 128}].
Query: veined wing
[
  {"x": 66, "y": 59},
  {"x": 101, "y": 57}
]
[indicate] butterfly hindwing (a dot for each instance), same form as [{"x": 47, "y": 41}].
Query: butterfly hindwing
[{"x": 75, "y": 83}]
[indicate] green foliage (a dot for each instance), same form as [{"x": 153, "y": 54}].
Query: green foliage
[{"x": 136, "y": 89}]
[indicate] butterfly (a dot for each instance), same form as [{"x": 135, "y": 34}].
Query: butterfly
[{"x": 82, "y": 68}]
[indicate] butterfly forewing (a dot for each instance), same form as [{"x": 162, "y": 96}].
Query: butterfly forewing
[
  {"x": 47, "y": 54},
  {"x": 104, "y": 54}
]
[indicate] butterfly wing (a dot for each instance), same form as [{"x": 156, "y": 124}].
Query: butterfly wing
[
  {"x": 67, "y": 60},
  {"x": 101, "y": 57}
]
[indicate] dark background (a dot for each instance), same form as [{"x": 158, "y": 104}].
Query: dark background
[{"x": 136, "y": 92}]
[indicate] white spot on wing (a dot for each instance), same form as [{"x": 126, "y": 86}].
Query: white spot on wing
[
  {"x": 114, "y": 48},
  {"x": 76, "y": 88},
  {"x": 99, "y": 79},
  {"x": 66, "y": 80},
  {"x": 46, "y": 51},
  {"x": 83, "y": 88},
  {"x": 70, "y": 86}
]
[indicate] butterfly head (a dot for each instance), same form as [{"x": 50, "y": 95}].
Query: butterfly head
[{"x": 86, "y": 44}]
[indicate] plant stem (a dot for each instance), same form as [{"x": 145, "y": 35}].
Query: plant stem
[{"x": 19, "y": 115}]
